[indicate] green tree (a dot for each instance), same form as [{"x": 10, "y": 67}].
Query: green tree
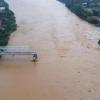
[{"x": 7, "y": 22}]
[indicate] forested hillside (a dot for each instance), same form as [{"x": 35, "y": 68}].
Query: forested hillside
[
  {"x": 88, "y": 10},
  {"x": 7, "y": 22}
]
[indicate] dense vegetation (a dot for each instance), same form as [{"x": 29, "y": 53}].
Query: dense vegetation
[
  {"x": 7, "y": 23},
  {"x": 88, "y": 10}
]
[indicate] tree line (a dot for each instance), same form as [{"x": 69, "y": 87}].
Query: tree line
[{"x": 88, "y": 10}]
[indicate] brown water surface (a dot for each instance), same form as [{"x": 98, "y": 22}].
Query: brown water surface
[{"x": 68, "y": 67}]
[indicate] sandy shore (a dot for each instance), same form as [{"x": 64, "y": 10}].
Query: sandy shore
[{"x": 69, "y": 62}]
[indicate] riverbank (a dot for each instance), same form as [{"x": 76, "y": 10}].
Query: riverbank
[{"x": 86, "y": 10}]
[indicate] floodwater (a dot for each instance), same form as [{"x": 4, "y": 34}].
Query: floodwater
[{"x": 68, "y": 66}]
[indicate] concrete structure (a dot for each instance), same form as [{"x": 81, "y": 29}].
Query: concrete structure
[{"x": 17, "y": 50}]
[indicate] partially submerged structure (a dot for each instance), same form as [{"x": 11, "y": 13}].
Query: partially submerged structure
[{"x": 17, "y": 50}]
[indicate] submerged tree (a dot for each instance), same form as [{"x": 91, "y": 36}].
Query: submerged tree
[{"x": 7, "y": 22}]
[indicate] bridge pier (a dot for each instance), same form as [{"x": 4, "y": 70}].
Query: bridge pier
[
  {"x": 35, "y": 57},
  {"x": 0, "y": 56}
]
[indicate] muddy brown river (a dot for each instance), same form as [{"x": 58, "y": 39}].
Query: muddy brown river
[{"x": 68, "y": 66}]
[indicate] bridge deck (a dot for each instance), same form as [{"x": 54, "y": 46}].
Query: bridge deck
[
  {"x": 17, "y": 50},
  {"x": 17, "y": 53}
]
